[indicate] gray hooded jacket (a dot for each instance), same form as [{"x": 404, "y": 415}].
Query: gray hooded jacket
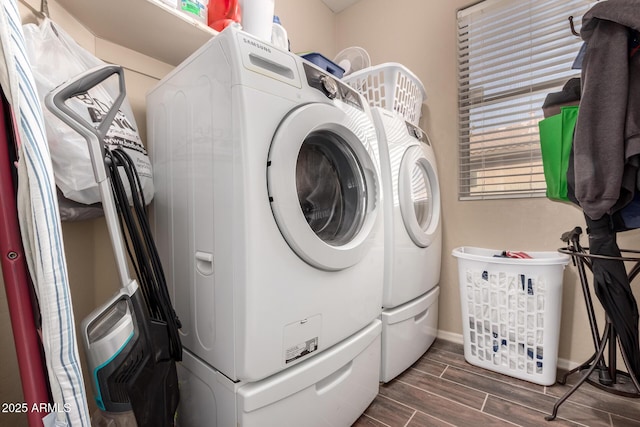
[{"x": 607, "y": 138}]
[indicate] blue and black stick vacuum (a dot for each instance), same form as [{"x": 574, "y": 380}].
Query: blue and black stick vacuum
[{"x": 132, "y": 340}]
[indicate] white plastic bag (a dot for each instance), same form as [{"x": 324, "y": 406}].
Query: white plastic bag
[{"x": 55, "y": 58}]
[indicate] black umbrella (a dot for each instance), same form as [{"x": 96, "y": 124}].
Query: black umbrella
[{"x": 612, "y": 287}]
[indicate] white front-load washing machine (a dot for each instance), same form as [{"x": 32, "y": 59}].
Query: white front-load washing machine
[
  {"x": 267, "y": 211},
  {"x": 413, "y": 241}
]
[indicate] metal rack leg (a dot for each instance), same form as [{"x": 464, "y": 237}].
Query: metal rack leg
[
  {"x": 604, "y": 374},
  {"x": 586, "y": 364},
  {"x": 584, "y": 377}
]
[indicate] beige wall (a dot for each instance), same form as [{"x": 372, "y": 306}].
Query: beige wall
[
  {"x": 310, "y": 26},
  {"x": 421, "y": 35}
]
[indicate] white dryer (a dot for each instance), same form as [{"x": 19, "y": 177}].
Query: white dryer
[
  {"x": 413, "y": 242},
  {"x": 267, "y": 209}
]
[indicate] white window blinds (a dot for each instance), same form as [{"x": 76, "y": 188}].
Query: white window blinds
[{"x": 511, "y": 54}]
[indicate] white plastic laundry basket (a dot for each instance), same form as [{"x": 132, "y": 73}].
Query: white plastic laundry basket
[
  {"x": 511, "y": 311},
  {"x": 391, "y": 86}
]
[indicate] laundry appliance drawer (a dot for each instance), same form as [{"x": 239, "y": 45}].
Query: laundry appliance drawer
[
  {"x": 407, "y": 333},
  {"x": 331, "y": 389}
]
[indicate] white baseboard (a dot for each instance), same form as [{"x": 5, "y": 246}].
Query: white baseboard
[
  {"x": 450, "y": 336},
  {"x": 567, "y": 364}
]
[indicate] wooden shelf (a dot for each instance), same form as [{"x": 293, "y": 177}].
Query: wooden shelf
[{"x": 146, "y": 26}]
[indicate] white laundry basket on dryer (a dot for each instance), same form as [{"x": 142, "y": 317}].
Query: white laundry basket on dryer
[{"x": 390, "y": 86}]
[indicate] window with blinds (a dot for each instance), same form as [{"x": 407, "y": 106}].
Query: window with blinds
[{"x": 511, "y": 54}]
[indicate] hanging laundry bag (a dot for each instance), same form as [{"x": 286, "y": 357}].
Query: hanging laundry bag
[
  {"x": 556, "y": 139},
  {"x": 55, "y": 58}
]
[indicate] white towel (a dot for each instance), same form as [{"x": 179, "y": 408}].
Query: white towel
[{"x": 40, "y": 225}]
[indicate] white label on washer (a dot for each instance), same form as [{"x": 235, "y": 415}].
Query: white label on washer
[
  {"x": 301, "y": 350},
  {"x": 301, "y": 338}
]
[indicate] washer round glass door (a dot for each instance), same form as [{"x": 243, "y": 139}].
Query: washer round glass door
[
  {"x": 322, "y": 186},
  {"x": 419, "y": 196}
]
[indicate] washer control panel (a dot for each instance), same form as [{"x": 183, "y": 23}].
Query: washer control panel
[{"x": 331, "y": 87}]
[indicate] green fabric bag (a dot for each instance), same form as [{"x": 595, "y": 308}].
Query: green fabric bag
[{"x": 556, "y": 138}]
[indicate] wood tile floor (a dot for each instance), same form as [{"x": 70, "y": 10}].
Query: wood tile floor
[{"x": 442, "y": 389}]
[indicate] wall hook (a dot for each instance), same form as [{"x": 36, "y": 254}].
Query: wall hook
[
  {"x": 44, "y": 8},
  {"x": 573, "y": 28},
  {"x": 40, "y": 14}
]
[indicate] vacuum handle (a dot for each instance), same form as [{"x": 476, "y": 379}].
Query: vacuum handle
[
  {"x": 56, "y": 102},
  {"x": 81, "y": 84}
]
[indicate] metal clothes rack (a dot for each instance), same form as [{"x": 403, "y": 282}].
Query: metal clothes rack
[{"x": 598, "y": 370}]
